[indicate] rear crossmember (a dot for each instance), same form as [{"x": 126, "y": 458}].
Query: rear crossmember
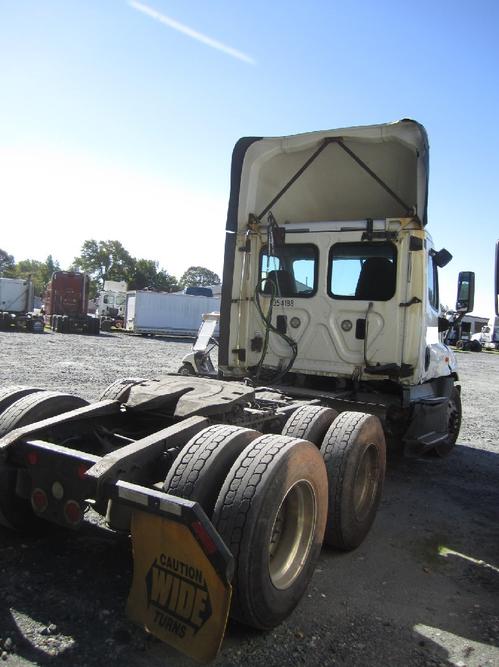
[{"x": 181, "y": 586}]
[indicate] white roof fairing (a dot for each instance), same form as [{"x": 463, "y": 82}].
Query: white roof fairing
[{"x": 335, "y": 186}]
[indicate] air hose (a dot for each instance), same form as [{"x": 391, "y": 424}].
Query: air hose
[{"x": 269, "y": 327}]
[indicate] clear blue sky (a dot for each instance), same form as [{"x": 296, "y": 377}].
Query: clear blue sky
[{"x": 116, "y": 122}]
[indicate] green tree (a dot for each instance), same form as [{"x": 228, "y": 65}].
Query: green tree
[
  {"x": 40, "y": 272},
  {"x": 198, "y": 276},
  {"x": 166, "y": 282},
  {"x": 104, "y": 260},
  {"x": 49, "y": 268},
  {"x": 147, "y": 275},
  {"x": 7, "y": 263}
]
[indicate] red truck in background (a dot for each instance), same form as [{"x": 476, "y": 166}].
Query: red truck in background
[{"x": 66, "y": 303}]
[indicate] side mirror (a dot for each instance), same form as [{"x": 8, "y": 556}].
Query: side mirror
[
  {"x": 441, "y": 258},
  {"x": 496, "y": 296},
  {"x": 465, "y": 291}
]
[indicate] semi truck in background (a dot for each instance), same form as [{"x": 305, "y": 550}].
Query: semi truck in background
[
  {"x": 111, "y": 304},
  {"x": 16, "y": 306},
  {"x": 167, "y": 313},
  {"x": 66, "y": 303}
]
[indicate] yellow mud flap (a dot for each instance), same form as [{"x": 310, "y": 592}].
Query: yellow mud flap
[{"x": 181, "y": 582}]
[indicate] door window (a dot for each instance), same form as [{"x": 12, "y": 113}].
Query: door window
[
  {"x": 291, "y": 271},
  {"x": 432, "y": 284},
  {"x": 362, "y": 271}
]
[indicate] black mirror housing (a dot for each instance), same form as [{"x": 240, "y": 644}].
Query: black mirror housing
[
  {"x": 442, "y": 257},
  {"x": 465, "y": 292}
]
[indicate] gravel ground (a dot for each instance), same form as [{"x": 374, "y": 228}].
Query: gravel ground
[{"x": 423, "y": 589}]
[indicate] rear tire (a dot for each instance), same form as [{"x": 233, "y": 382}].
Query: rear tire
[
  {"x": 119, "y": 390},
  {"x": 310, "y": 422},
  {"x": 186, "y": 369},
  {"x": 200, "y": 469},
  {"x": 37, "y": 406},
  {"x": 16, "y": 512},
  {"x": 354, "y": 452},
  {"x": 271, "y": 513},
  {"x": 93, "y": 325},
  {"x": 10, "y": 395}
]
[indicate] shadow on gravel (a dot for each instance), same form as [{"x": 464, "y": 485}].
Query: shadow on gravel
[
  {"x": 421, "y": 590},
  {"x": 63, "y": 595}
]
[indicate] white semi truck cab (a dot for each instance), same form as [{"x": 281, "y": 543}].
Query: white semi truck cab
[
  {"x": 111, "y": 304},
  {"x": 331, "y": 277}
]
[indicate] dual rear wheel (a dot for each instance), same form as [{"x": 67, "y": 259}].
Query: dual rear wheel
[
  {"x": 352, "y": 445},
  {"x": 267, "y": 497},
  {"x": 274, "y": 499}
]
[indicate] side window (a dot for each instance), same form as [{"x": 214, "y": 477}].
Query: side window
[
  {"x": 304, "y": 273},
  {"x": 362, "y": 271},
  {"x": 290, "y": 272},
  {"x": 105, "y": 299},
  {"x": 433, "y": 284},
  {"x": 269, "y": 263}
]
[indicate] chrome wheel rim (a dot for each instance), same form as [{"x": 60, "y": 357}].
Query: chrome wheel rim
[
  {"x": 292, "y": 534},
  {"x": 366, "y": 482}
]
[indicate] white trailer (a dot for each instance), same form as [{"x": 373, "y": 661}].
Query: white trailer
[
  {"x": 166, "y": 313},
  {"x": 16, "y": 305},
  {"x": 16, "y": 295}
]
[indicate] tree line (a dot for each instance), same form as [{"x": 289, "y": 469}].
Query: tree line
[{"x": 107, "y": 260}]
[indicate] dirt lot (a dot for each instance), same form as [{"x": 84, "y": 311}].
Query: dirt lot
[{"x": 423, "y": 589}]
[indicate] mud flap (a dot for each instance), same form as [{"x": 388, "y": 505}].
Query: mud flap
[
  {"x": 178, "y": 594},
  {"x": 428, "y": 426}
]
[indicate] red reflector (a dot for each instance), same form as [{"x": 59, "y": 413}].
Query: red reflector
[
  {"x": 201, "y": 533},
  {"x": 39, "y": 500},
  {"x": 72, "y": 512},
  {"x": 82, "y": 469},
  {"x": 32, "y": 458}
]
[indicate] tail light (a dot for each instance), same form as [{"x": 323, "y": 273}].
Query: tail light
[
  {"x": 39, "y": 500},
  {"x": 82, "y": 470},
  {"x": 32, "y": 458},
  {"x": 73, "y": 512}
]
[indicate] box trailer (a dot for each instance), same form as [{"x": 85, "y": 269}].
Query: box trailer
[
  {"x": 16, "y": 305},
  {"x": 164, "y": 313}
]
